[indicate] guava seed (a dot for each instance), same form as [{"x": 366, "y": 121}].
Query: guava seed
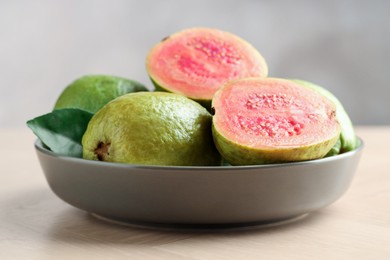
[
  {"x": 271, "y": 126},
  {"x": 217, "y": 50},
  {"x": 274, "y": 101},
  {"x": 193, "y": 69}
]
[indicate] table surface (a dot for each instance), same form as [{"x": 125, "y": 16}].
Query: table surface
[{"x": 35, "y": 224}]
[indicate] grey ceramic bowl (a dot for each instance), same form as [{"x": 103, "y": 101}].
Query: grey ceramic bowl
[{"x": 199, "y": 195}]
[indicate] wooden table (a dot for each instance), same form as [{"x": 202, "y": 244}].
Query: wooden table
[{"x": 35, "y": 224}]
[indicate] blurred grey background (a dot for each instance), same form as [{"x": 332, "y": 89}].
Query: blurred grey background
[{"x": 343, "y": 45}]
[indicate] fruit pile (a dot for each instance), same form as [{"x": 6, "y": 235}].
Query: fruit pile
[{"x": 213, "y": 104}]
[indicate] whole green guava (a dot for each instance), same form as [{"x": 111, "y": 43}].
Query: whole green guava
[
  {"x": 151, "y": 128},
  {"x": 92, "y": 92}
]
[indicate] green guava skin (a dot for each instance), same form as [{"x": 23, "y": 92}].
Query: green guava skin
[
  {"x": 347, "y": 137},
  {"x": 152, "y": 128},
  {"x": 237, "y": 153},
  {"x": 92, "y": 92},
  {"x": 335, "y": 150},
  {"x": 206, "y": 103}
]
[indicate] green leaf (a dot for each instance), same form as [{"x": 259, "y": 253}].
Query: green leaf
[{"x": 62, "y": 130}]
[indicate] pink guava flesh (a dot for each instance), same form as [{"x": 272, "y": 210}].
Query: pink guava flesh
[
  {"x": 196, "y": 62},
  {"x": 262, "y": 113}
]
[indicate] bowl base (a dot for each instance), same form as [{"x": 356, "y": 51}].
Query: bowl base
[{"x": 200, "y": 227}]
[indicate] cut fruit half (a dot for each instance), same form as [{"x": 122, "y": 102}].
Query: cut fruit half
[
  {"x": 269, "y": 120},
  {"x": 195, "y": 62}
]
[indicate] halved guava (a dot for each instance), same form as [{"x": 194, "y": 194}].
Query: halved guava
[
  {"x": 270, "y": 120},
  {"x": 195, "y": 62},
  {"x": 348, "y": 140}
]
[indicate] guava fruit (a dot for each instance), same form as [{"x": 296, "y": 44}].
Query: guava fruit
[
  {"x": 151, "y": 128},
  {"x": 335, "y": 150},
  {"x": 195, "y": 62},
  {"x": 347, "y": 137},
  {"x": 92, "y": 92},
  {"x": 271, "y": 120}
]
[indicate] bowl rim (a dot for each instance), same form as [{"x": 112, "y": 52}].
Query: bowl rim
[{"x": 39, "y": 147}]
